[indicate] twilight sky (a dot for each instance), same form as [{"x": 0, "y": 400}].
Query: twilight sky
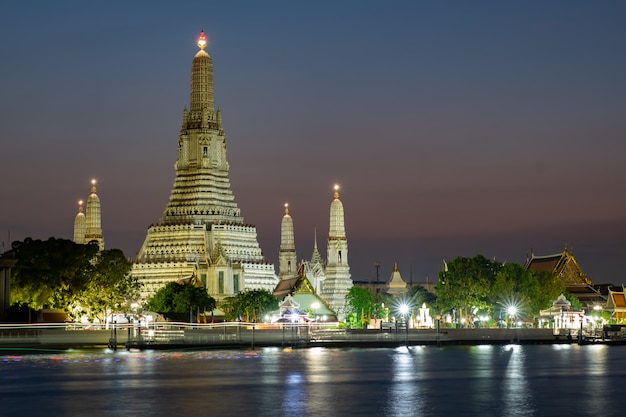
[{"x": 454, "y": 128}]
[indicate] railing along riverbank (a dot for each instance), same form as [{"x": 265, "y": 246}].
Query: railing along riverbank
[{"x": 169, "y": 335}]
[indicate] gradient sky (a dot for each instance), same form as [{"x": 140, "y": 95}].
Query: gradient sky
[{"x": 454, "y": 128}]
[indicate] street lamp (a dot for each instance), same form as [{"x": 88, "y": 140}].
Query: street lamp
[
  {"x": 404, "y": 310},
  {"x": 438, "y": 317},
  {"x": 512, "y": 311}
]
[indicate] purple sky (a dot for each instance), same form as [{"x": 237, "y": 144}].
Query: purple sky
[{"x": 453, "y": 128}]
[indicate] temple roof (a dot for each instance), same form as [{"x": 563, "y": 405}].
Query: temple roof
[
  {"x": 616, "y": 301},
  {"x": 563, "y": 264},
  {"x": 300, "y": 289},
  {"x": 286, "y": 286},
  {"x": 544, "y": 263}
]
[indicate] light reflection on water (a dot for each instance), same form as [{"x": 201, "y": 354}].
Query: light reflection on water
[
  {"x": 517, "y": 399},
  {"x": 416, "y": 381}
]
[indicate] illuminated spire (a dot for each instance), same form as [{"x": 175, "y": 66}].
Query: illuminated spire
[
  {"x": 287, "y": 254},
  {"x": 337, "y": 282},
  {"x": 93, "y": 228},
  {"x": 202, "y": 81},
  {"x": 337, "y": 227},
  {"x": 202, "y": 40},
  {"x": 79, "y": 224},
  {"x": 201, "y": 232}
]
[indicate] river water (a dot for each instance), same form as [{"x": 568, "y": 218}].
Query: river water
[{"x": 513, "y": 380}]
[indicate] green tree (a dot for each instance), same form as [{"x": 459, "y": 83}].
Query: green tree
[
  {"x": 360, "y": 305},
  {"x": 51, "y": 273},
  {"x": 175, "y": 301},
  {"x": 464, "y": 285},
  {"x": 418, "y": 295},
  {"x": 110, "y": 285},
  {"x": 249, "y": 305},
  {"x": 529, "y": 291},
  {"x": 542, "y": 290},
  {"x": 574, "y": 301}
]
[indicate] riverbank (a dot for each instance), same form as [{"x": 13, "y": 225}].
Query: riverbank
[{"x": 247, "y": 335}]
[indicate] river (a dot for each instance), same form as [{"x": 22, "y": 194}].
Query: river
[{"x": 512, "y": 380}]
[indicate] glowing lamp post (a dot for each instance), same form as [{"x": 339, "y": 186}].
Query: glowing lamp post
[
  {"x": 512, "y": 311},
  {"x": 404, "y": 311}
]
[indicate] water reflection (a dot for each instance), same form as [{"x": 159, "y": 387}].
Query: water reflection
[
  {"x": 482, "y": 366},
  {"x": 404, "y": 396},
  {"x": 595, "y": 386},
  {"x": 516, "y": 397},
  {"x": 419, "y": 381}
]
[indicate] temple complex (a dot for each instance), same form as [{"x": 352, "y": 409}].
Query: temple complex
[
  {"x": 331, "y": 279},
  {"x": 201, "y": 234}
]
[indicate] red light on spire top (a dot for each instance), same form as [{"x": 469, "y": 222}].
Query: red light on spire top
[{"x": 202, "y": 40}]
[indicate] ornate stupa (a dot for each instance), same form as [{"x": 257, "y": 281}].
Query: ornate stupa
[
  {"x": 79, "y": 224},
  {"x": 93, "y": 218},
  {"x": 201, "y": 234},
  {"x": 396, "y": 285},
  {"x": 287, "y": 258},
  {"x": 337, "y": 282},
  {"x": 88, "y": 227}
]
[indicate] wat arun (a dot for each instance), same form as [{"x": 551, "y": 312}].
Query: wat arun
[{"x": 201, "y": 235}]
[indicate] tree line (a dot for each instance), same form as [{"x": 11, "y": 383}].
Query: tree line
[
  {"x": 467, "y": 289},
  {"x": 83, "y": 281},
  {"x": 78, "y": 278}
]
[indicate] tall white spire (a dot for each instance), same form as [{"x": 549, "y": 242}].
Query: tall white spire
[
  {"x": 79, "y": 224},
  {"x": 201, "y": 191},
  {"x": 201, "y": 233},
  {"x": 202, "y": 79},
  {"x": 337, "y": 243},
  {"x": 287, "y": 254},
  {"x": 93, "y": 227},
  {"x": 338, "y": 281}
]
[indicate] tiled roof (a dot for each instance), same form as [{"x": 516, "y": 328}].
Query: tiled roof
[
  {"x": 286, "y": 286},
  {"x": 619, "y": 300},
  {"x": 544, "y": 263}
]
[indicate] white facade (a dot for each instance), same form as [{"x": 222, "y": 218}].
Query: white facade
[{"x": 201, "y": 233}]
